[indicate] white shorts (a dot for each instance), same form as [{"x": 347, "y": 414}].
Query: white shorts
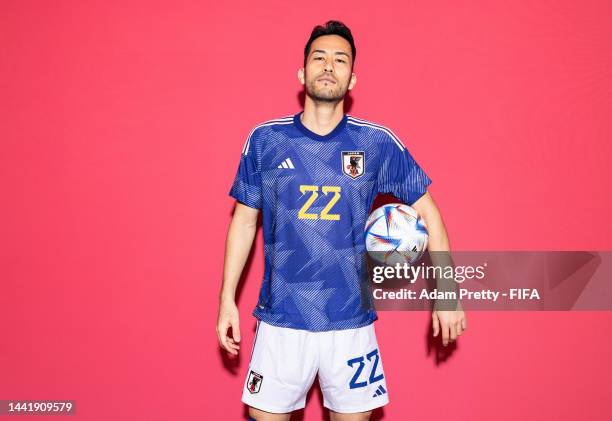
[{"x": 284, "y": 363}]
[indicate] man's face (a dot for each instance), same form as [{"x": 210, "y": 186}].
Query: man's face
[{"x": 328, "y": 72}]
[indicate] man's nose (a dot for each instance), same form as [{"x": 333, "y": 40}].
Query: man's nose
[{"x": 328, "y": 66}]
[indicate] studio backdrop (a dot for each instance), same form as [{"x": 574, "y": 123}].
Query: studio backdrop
[{"x": 122, "y": 124}]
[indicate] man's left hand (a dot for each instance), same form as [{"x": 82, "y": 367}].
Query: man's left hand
[{"x": 451, "y": 323}]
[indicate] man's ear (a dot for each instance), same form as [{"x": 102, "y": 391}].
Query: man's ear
[
  {"x": 300, "y": 75},
  {"x": 353, "y": 81}
]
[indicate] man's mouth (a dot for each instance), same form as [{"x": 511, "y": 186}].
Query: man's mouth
[{"x": 324, "y": 79}]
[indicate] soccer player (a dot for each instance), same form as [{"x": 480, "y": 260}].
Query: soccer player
[{"x": 314, "y": 176}]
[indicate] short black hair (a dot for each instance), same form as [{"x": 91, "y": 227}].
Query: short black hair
[{"x": 332, "y": 27}]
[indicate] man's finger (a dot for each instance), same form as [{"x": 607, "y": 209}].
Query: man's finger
[
  {"x": 232, "y": 347},
  {"x": 236, "y": 331},
  {"x": 232, "y": 343},
  {"x": 464, "y": 323},
  {"x": 436, "y": 326},
  {"x": 445, "y": 334},
  {"x": 218, "y": 335},
  {"x": 222, "y": 333},
  {"x": 453, "y": 332}
]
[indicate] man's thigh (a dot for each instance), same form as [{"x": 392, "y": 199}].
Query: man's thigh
[
  {"x": 259, "y": 415},
  {"x": 359, "y": 416}
]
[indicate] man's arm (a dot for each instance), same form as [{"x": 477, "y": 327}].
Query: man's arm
[
  {"x": 238, "y": 244},
  {"x": 452, "y": 323}
]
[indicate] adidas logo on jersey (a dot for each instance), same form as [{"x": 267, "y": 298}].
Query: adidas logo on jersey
[
  {"x": 287, "y": 164},
  {"x": 380, "y": 391}
]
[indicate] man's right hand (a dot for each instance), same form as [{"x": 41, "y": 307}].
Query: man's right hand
[{"x": 228, "y": 318}]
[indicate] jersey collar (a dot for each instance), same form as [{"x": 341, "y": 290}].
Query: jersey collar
[{"x": 313, "y": 135}]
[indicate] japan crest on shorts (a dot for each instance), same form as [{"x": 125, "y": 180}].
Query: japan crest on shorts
[
  {"x": 254, "y": 382},
  {"x": 353, "y": 163}
]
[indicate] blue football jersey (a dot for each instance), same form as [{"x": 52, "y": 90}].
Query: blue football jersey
[{"x": 315, "y": 193}]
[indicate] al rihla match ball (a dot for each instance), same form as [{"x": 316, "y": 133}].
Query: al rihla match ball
[{"x": 394, "y": 233}]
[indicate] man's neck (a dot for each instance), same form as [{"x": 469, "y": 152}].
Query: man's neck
[{"x": 322, "y": 117}]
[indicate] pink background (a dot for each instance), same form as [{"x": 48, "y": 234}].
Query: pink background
[{"x": 121, "y": 128}]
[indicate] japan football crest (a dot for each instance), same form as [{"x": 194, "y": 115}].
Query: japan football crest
[
  {"x": 353, "y": 163},
  {"x": 254, "y": 382}
]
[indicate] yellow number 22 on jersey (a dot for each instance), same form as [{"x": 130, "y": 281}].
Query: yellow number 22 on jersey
[{"x": 314, "y": 193}]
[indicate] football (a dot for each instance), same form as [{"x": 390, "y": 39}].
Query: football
[{"x": 394, "y": 233}]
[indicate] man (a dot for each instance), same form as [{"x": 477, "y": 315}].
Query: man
[{"x": 315, "y": 175}]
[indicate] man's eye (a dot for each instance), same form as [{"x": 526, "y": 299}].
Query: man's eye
[
  {"x": 318, "y": 58},
  {"x": 340, "y": 60}
]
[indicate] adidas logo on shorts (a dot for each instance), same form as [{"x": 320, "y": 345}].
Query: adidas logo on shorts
[{"x": 380, "y": 391}]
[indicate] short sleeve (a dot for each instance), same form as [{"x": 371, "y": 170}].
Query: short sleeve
[
  {"x": 399, "y": 173},
  {"x": 247, "y": 184}
]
